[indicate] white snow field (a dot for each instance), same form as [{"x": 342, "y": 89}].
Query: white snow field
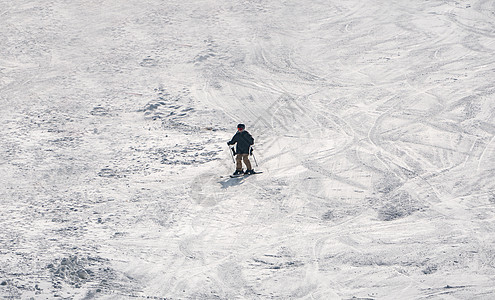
[{"x": 374, "y": 129}]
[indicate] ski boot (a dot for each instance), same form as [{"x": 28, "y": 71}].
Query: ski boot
[
  {"x": 238, "y": 172},
  {"x": 249, "y": 172}
]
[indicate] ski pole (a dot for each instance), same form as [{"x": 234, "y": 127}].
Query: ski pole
[
  {"x": 255, "y": 160},
  {"x": 232, "y": 154},
  {"x": 252, "y": 153}
]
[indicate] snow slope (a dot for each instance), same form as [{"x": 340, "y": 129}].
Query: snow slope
[{"x": 374, "y": 127}]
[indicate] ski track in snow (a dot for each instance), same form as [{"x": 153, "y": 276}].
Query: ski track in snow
[{"x": 374, "y": 130}]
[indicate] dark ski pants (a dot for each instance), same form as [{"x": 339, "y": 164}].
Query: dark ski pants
[{"x": 240, "y": 158}]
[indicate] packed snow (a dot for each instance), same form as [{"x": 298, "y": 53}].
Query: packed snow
[{"x": 373, "y": 124}]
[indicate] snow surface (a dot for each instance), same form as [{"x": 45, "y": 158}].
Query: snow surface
[{"x": 374, "y": 127}]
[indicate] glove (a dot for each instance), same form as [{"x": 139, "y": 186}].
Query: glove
[{"x": 251, "y": 151}]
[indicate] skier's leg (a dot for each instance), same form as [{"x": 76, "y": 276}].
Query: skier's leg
[
  {"x": 238, "y": 162},
  {"x": 246, "y": 161}
]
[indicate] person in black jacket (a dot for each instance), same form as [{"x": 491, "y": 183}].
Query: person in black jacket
[{"x": 244, "y": 141}]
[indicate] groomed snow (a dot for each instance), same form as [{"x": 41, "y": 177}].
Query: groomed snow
[{"x": 374, "y": 128}]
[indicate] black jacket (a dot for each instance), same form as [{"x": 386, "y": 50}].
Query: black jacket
[{"x": 243, "y": 140}]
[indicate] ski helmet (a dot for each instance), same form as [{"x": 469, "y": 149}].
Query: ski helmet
[{"x": 241, "y": 126}]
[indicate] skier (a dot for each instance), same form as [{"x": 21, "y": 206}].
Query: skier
[{"x": 244, "y": 141}]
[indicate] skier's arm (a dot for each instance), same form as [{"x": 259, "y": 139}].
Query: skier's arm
[
  {"x": 251, "y": 152},
  {"x": 233, "y": 140}
]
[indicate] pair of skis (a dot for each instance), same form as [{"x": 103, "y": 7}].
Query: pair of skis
[{"x": 242, "y": 174}]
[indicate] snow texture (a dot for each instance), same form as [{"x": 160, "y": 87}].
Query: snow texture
[{"x": 374, "y": 128}]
